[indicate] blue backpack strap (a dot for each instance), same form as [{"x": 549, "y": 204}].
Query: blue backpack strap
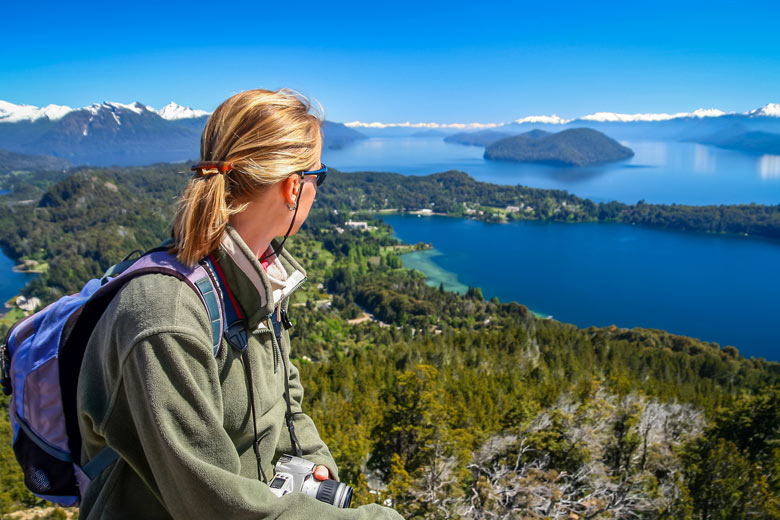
[
  {"x": 235, "y": 328},
  {"x": 210, "y": 297}
]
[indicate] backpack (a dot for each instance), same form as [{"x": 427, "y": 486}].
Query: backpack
[{"x": 41, "y": 359}]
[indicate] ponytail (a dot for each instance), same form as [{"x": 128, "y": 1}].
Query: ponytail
[{"x": 201, "y": 218}]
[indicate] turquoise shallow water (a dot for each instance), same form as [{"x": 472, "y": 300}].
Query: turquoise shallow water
[
  {"x": 425, "y": 261},
  {"x": 714, "y": 287}
]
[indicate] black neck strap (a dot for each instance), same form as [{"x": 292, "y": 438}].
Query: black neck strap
[
  {"x": 276, "y": 250},
  {"x": 289, "y": 415}
]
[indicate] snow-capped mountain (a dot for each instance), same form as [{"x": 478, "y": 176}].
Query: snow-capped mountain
[
  {"x": 771, "y": 110},
  {"x": 116, "y": 133},
  {"x": 768, "y": 110},
  {"x": 103, "y": 133},
  {"x": 173, "y": 111},
  {"x": 11, "y": 113},
  {"x": 547, "y": 120},
  {"x": 612, "y": 117}
]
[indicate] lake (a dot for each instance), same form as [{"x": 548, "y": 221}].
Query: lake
[
  {"x": 10, "y": 282},
  {"x": 714, "y": 287},
  {"x": 659, "y": 172}
]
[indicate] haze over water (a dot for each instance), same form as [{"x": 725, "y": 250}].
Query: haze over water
[{"x": 659, "y": 172}]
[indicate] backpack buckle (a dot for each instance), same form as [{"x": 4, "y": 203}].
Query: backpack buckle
[{"x": 237, "y": 336}]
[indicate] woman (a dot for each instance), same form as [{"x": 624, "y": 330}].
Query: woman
[{"x": 198, "y": 433}]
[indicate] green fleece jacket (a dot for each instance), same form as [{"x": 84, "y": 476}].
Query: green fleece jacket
[{"x": 180, "y": 418}]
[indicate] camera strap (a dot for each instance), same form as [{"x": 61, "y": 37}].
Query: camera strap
[{"x": 289, "y": 415}]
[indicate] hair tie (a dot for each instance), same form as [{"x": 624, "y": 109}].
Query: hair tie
[{"x": 205, "y": 169}]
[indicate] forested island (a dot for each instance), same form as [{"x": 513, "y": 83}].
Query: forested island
[
  {"x": 571, "y": 147},
  {"x": 448, "y": 405}
]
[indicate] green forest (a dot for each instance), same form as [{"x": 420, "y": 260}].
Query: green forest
[{"x": 453, "y": 406}]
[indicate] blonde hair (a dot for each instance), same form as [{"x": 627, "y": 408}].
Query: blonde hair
[{"x": 266, "y": 135}]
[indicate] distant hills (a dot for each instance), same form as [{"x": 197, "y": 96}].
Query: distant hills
[
  {"x": 696, "y": 126},
  {"x": 488, "y": 137},
  {"x": 11, "y": 161},
  {"x": 336, "y": 136},
  {"x": 118, "y": 134},
  {"x": 479, "y": 138},
  {"x": 748, "y": 142},
  {"x": 572, "y": 147}
]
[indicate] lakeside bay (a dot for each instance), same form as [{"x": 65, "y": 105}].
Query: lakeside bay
[
  {"x": 719, "y": 288},
  {"x": 12, "y": 281}
]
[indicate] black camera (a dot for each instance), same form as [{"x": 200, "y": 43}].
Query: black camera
[{"x": 297, "y": 474}]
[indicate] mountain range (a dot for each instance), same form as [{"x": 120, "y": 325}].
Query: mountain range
[
  {"x": 133, "y": 134},
  {"x": 115, "y": 133},
  {"x": 707, "y": 126},
  {"x": 770, "y": 110}
]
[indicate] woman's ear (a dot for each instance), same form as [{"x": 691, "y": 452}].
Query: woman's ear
[{"x": 291, "y": 189}]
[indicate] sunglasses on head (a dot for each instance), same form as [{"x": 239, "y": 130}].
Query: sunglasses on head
[{"x": 321, "y": 174}]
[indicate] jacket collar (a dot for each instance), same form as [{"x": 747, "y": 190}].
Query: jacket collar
[{"x": 257, "y": 292}]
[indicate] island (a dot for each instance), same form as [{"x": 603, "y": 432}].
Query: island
[{"x": 572, "y": 147}]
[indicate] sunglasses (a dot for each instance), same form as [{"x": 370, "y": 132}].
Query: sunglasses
[{"x": 321, "y": 174}]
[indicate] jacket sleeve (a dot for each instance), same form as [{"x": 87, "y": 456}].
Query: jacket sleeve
[{"x": 171, "y": 390}]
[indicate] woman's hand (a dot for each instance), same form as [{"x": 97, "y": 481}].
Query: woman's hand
[{"x": 321, "y": 473}]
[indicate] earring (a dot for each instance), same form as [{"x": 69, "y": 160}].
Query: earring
[{"x": 292, "y": 207}]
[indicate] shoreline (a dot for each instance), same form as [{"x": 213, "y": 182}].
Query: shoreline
[
  {"x": 436, "y": 275},
  {"x": 22, "y": 270},
  {"x": 734, "y": 234}
]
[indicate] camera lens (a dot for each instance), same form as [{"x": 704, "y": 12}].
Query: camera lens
[
  {"x": 344, "y": 498},
  {"x": 336, "y": 493}
]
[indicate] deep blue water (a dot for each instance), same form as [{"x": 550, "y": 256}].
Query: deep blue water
[
  {"x": 659, "y": 172},
  {"x": 713, "y": 287},
  {"x": 10, "y": 282}
]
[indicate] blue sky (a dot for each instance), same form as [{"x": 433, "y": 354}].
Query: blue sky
[{"x": 397, "y": 61}]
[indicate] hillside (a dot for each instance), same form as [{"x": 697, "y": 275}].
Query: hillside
[
  {"x": 10, "y": 161},
  {"x": 456, "y": 407},
  {"x": 573, "y": 147}
]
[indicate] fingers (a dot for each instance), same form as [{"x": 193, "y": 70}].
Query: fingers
[{"x": 321, "y": 473}]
